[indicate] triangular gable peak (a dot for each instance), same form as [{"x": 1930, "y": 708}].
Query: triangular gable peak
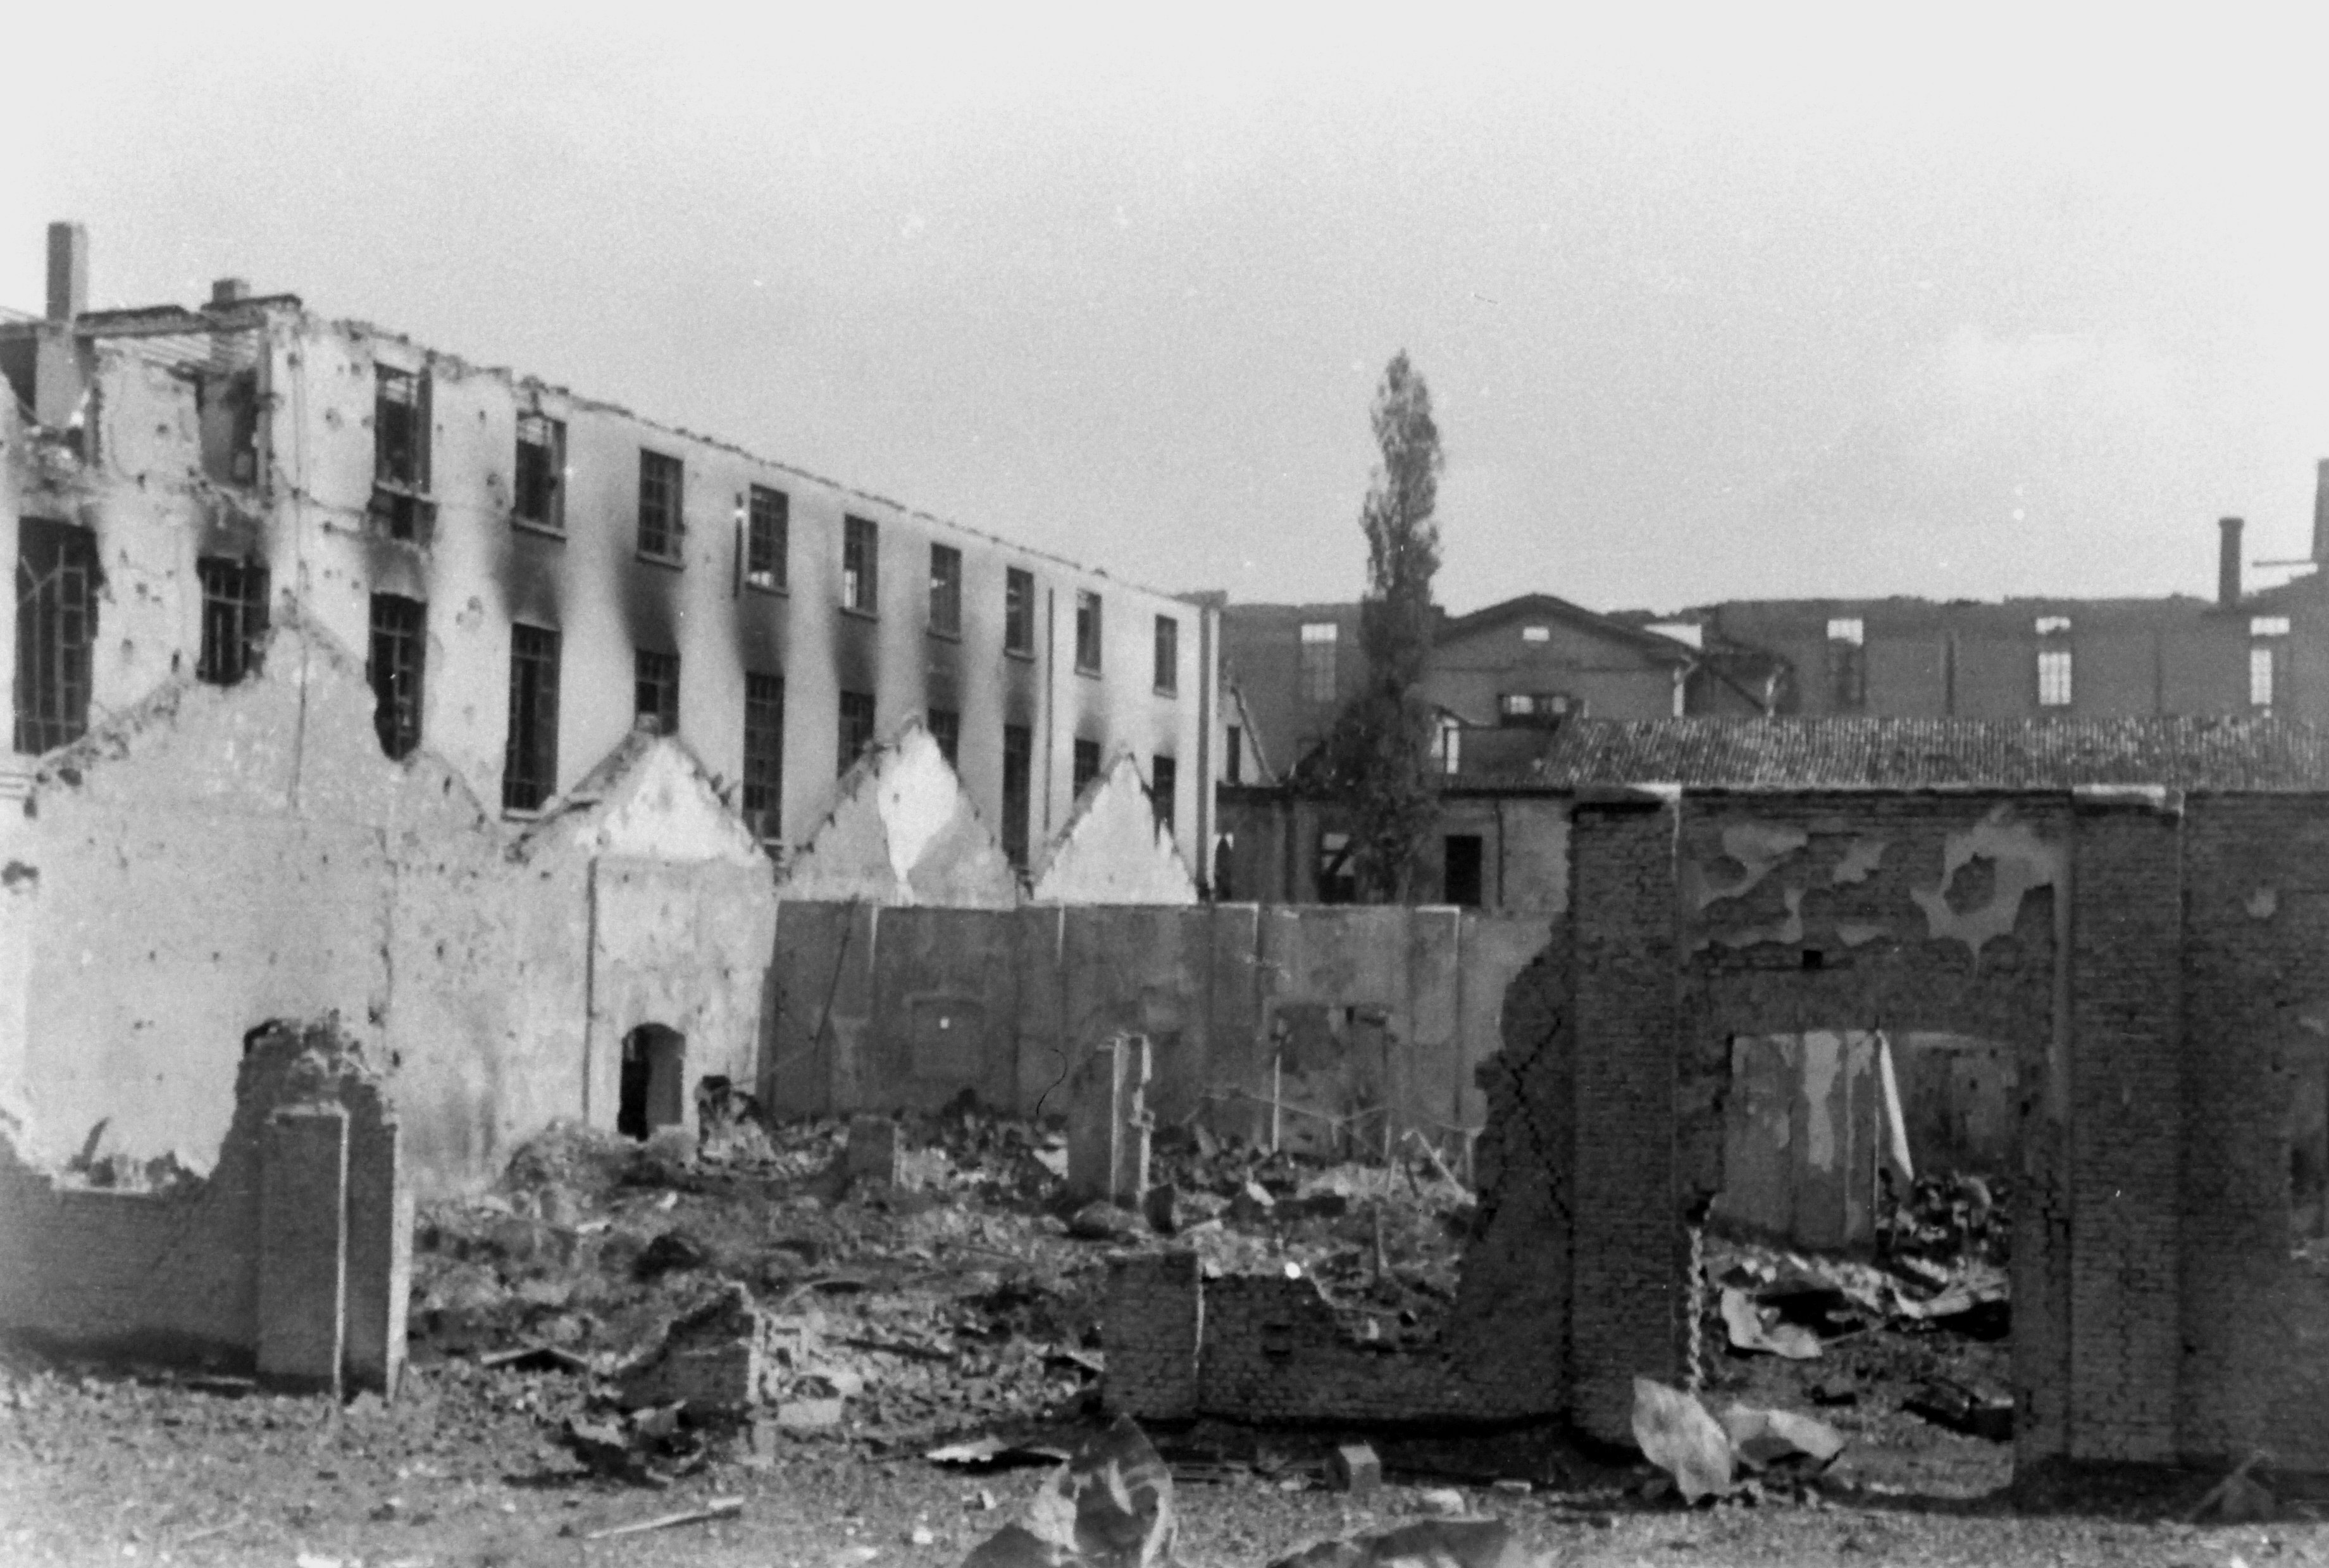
[
  {"x": 1545, "y": 607},
  {"x": 1113, "y": 850},
  {"x": 295, "y": 736},
  {"x": 649, "y": 799},
  {"x": 904, "y": 832}
]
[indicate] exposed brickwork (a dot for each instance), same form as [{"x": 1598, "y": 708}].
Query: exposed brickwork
[
  {"x": 2126, "y": 1111},
  {"x": 1627, "y": 1317},
  {"x": 1155, "y": 1322}
]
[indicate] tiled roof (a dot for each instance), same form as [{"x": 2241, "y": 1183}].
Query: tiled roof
[{"x": 2235, "y": 754}]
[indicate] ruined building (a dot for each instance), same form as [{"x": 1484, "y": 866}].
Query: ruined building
[{"x": 530, "y": 574}]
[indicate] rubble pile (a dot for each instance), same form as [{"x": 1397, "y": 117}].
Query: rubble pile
[{"x": 889, "y": 1279}]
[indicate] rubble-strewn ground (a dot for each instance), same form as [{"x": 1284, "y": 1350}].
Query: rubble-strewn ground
[{"x": 965, "y": 1307}]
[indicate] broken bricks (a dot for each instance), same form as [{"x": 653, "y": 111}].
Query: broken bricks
[
  {"x": 876, "y": 1153},
  {"x": 726, "y": 1354},
  {"x": 1354, "y": 1468},
  {"x": 1111, "y": 1506}
]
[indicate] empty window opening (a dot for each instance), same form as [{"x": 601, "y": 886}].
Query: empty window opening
[
  {"x": 2054, "y": 677},
  {"x": 1168, "y": 656},
  {"x": 856, "y": 726},
  {"x": 234, "y": 618},
  {"x": 1163, "y": 782},
  {"x": 1085, "y": 767},
  {"x": 1338, "y": 876},
  {"x": 1087, "y": 638},
  {"x": 946, "y": 729},
  {"x": 767, "y": 545},
  {"x": 1460, "y": 880},
  {"x": 1448, "y": 744},
  {"x": 1018, "y": 611},
  {"x": 655, "y": 690},
  {"x": 2263, "y": 659},
  {"x": 860, "y": 565},
  {"x": 663, "y": 522},
  {"x": 400, "y": 628},
  {"x": 56, "y": 626},
  {"x": 946, "y": 590},
  {"x": 530, "y": 760},
  {"x": 229, "y": 402},
  {"x": 400, "y": 437},
  {"x": 764, "y": 753},
  {"x": 1018, "y": 790},
  {"x": 540, "y": 472},
  {"x": 1317, "y": 670},
  {"x": 655, "y": 1072}
]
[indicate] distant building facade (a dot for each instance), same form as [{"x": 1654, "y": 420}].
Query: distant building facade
[{"x": 532, "y": 574}]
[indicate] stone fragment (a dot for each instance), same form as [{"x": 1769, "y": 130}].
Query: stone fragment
[
  {"x": 1354, "y": 1468},
  {"x": 1111, "y": 1506},
  {"x": 726, "y": 1354},
  {"x": 1677, "y": 1434},
  {"x": 809, "y": 1414},
  {"x": 876, "y": 1154},
  {"x": 1764, "y": 1439}
]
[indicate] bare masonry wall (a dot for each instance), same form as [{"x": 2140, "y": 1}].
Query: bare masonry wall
[
  {"x": 1353, "y": 1013},
  {"x": 292, "y": 1259}
]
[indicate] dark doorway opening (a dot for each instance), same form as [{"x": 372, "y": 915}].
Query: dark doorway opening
[
  {"x": 655, "y": 1063},
  {"x": 1461, "y": 884}
]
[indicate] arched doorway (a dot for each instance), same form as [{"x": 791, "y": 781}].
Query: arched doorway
[{"x": 655, "y": 1069}]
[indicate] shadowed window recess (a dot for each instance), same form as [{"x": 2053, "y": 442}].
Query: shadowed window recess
[
  {"x": 540, "y": 472},
  {"x": 767, "y": 545},
  {"x": 56, "y": 626},
  {"x": 655, "y": 689},
  {"x": 1087, "y": 639},
  {"x": 234, "y": 618},
  {"x": 946, "y": 590},
  {"x": 399, "y": 631},
  {"x": 530, "y": 761},
  {"x": 860, "y": 565},
  {"x": 1018, "y": 790},
  {"x": 1086, "y": 766},
  {"x": 1168, "y": 656},
  {"x": 1018, "y": 611},
  {"x": 1163, "y": 782},
  {"x": 856, "y": 727},
  {"x": 764, "y": 752},
  {"x": 946, "y": 729},
  {"x": 663, "y": 522},
  {"x": 399, "y": 444}
]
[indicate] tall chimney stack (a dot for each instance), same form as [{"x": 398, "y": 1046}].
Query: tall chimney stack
[
  {"x": 2228, "y": 564},
  {"x": 2321, "y": 514},
  {"x": 68, "y": 270}
]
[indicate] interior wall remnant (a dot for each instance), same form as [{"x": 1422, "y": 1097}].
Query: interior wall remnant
[
  {"x": 260, "y": 1265},
  {"x": 903, "y": 831}
]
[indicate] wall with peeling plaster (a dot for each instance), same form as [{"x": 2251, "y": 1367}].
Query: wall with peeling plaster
[
  {"x": 904, "y": 832},
  {"x": 218, "y": 857},
  {"x": 1113, "y": 850}
]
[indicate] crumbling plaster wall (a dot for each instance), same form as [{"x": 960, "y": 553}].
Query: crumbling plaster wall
[
  {"x": 1113, "y": 849},
  {"x": 904, "y": 831}
]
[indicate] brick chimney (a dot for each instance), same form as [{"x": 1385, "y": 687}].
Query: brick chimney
[
  {"x": 2228, "y": 564},
  {"x": 230, "y": 291},
  {"x": 2321, "y": 512},
  {"x": 68, "y": 270}
]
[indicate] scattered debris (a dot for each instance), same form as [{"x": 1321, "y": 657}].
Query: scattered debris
[
  {"x": 1436, "y": 1542},
  {"x": 1755, "y": 1328},
  {"x": 2238, "y": 1498},
  {"x": 718, "y": 1509},
  {"x": 1976, "y": 1412},
  {"x": 1765, "y": 1439},
  {"x": 1677, "y": 1435},
  {"x": 1111, "y": 1506},
  {"x": 649, "y": 1448}
]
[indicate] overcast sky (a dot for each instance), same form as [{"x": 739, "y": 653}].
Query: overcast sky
[{"x": 1812, "y": 305}]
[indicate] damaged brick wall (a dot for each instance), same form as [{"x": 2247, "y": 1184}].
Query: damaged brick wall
[{"x": 259, "y": 1266}]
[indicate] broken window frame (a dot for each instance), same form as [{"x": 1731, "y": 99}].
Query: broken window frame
[
  {"x": 654, "y": 689},
  {"x": 235, "y": 593},
  {"x": 1018, "y": 791},
  {"x": 538, "y": 474},
  {"x": 1163, "y": 788},
  {"x": 860, "y": 565},
  {"x": 530, "y": 752},
  {"x": 57, "y": 580},
  {"x": 764, "y": 753},
  {"x": 1168, "y": 656},
  {"x": 855, "y": 728},
  {"x": 1083, "y": 765},
  {"x": 946, "y": 590},
  {"x": 768, "y": 540},
  {"x": 1088, "y": 632},
  {"x": 662, "y": 507},
  {"x": 402, "y": 421},
  {"x": 1019, "y": 612},
  {"x": 1337, "y": 878},
  {"x": 398, "y": 672}
]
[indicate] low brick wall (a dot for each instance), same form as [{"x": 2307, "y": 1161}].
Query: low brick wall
[{"x": 292, "y": 1259}]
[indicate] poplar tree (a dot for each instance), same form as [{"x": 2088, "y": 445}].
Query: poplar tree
[{"x": 1376, "y": 758}]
